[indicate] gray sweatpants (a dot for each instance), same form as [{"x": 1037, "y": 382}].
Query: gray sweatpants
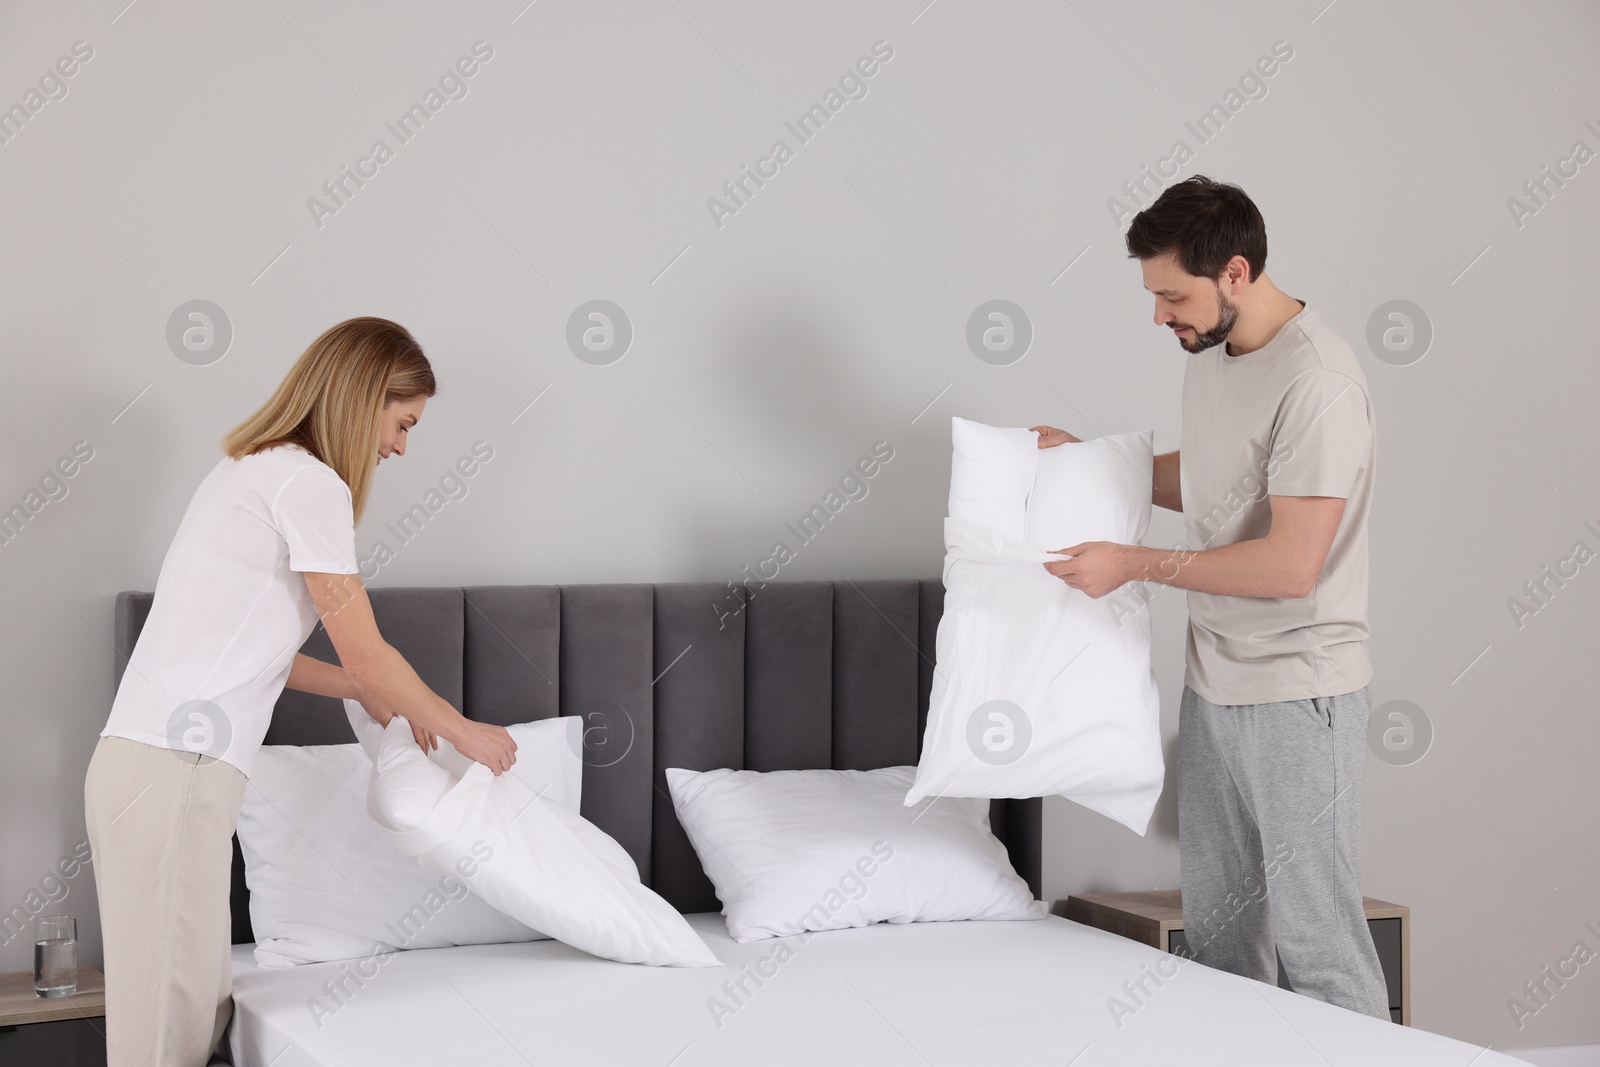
[{"x": 1269, "y": 834}]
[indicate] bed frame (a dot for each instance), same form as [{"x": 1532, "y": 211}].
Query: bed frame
[{"x": 796, "y": 675}]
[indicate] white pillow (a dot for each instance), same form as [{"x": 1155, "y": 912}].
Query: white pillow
[
  {"x": 792, "y": 851},
  {"x": 1092, "y": 491},
  {"x": 326, "y": 885},
  {"x": 1038, "y": 688},
  {"x": 991, "y": 474},
  {"x": 529, "y": 857}
]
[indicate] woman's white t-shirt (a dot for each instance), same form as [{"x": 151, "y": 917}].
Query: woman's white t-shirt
[{"x": 230, "y": 609}]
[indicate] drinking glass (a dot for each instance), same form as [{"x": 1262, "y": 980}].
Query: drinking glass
[{"x": 55, "y": 956}]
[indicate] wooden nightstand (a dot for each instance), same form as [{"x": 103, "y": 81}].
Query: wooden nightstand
[
  {"x": 62, "y": 1032},
  {"x": 1156, "y": 919}
]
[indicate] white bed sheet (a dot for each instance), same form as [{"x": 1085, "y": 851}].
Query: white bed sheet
[{"x": 958, "y": 993}]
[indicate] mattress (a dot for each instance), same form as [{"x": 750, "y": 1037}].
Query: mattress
[{"x": 1012, "y": 993}]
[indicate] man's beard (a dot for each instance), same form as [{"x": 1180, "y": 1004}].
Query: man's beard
[{"x": 1227, "y": 316}]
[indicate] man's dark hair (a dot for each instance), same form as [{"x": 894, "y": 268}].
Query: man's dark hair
[{"x": 1206, "y": 223}]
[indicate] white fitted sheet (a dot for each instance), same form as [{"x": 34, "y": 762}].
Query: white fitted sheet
[{"x": 980, "y": 993}]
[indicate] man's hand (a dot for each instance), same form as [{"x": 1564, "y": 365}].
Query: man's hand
[
  {"x": 1098, "y": 567},
  {"x": 1049, "y": 436}
]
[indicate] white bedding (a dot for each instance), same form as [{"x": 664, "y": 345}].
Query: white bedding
[
  {"x": 1041, "y": 689},
  {"x": 958, "y": 993}
]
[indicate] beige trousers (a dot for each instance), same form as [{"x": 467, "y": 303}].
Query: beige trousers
[{"x": 161, "y": 825}]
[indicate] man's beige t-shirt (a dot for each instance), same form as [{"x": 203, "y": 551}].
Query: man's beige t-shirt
[{"x": 1292, "y": 418}]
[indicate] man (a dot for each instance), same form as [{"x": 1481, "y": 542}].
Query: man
[{"x": 1275, "y": 481}]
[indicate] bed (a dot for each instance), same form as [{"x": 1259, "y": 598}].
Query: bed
[{"x": 785, "y": 675}]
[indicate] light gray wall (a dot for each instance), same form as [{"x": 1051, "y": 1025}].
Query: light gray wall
[{"x": 827, "y": 314}]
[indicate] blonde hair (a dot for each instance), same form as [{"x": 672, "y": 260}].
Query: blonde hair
[{"x": 331, "y": 402}]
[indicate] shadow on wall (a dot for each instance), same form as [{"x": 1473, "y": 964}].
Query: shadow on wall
[{"x": 1164, "y": 821}]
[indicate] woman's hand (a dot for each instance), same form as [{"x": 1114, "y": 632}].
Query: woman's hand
[
  {"x": 369, "y": 703},
  {"x": 1049, "y": 436},
  {"x": 489, "y": 745},
  {"x": 426, "y": 740}
]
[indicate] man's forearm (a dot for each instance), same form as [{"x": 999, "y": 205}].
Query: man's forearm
[
  {"x": 1254, "y": 568},
  {"x": 1165, "y": 489}
]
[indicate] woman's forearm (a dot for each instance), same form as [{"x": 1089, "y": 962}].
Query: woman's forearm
[
  {"x": 379, "y": 672},
  {"x": 388, "y": 678},
  {"x": 308, "y": 675}
]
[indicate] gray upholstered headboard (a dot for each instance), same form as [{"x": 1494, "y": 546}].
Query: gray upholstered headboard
[{"x": 807, "y": 674}]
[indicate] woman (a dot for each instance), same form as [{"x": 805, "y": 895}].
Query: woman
[{"x": 266, "y": 547}]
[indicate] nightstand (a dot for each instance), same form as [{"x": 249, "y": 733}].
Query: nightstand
[
  {"x": 61, "y": 1032},
  {"x": 1156, "y": 919}
]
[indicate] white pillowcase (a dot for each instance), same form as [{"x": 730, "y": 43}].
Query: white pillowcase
[
  {"x": 991, "y": 474},
  {"x": 793, "y": 851},
  {"x": 1038, "y": 688},
  {"x": 527, "y": 856},
  {"x": 326, "y": 885},
  {"x": 552, "y": 762}
]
